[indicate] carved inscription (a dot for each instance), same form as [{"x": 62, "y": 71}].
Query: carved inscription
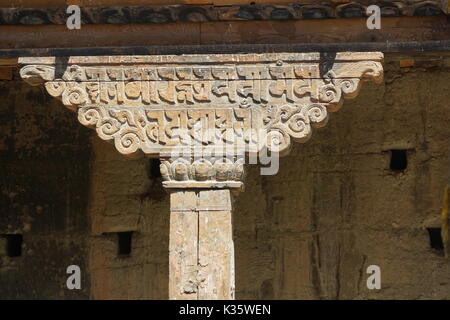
[
  {"x": 236, "y": 85},
  {"x": 160, "y": 131}
]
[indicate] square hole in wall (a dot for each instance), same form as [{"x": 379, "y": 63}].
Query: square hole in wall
[
  {"x": 154, "y": 171},
  {"x": 124, "y": 243},
  {"x": 399, "y": 160},
  {"x": 435, "y": 238},
  {"x": 13, "y": 247}
]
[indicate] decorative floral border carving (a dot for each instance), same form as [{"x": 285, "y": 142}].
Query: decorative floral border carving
[
  {"x": 198, "y": 13},
  {"x": 203, "y": 169}
]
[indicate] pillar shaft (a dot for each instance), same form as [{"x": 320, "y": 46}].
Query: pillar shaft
[{"x": 201, "y": 258}]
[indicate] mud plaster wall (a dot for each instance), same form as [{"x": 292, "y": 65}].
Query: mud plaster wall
[
  {"x": 44, "y": 183},
  {"x": 308, "y": 232}
]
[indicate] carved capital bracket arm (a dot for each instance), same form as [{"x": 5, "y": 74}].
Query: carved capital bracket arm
[
  {"x": 202, "y": 115},
  {"x": 168, "y": 106}
]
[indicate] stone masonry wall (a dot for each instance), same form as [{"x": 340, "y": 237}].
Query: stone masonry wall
[
  {"x": 309, "y": 232},
  {"x": 44, "y": 184}
]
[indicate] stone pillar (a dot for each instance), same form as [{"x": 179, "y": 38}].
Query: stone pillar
[
  {"x": 202, "y": 114},
  {"x": 201, "y": 248}
]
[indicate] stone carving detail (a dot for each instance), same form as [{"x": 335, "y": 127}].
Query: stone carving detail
[
  {"x": 198, "y": 13},
  {"x": 248, "y": 101},
  {"x": 155, "y": 131},
  {"x": 215, "y": 105},
  {"x": 203, "y": 169},
  {"x": 37, "y": 74},
  {"x": 236, "y": 85},
  {"x": 292, "y": 121}
]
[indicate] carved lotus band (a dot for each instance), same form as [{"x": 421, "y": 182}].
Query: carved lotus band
[
  {"x": 244, "y": 103},
  {"x": 203, "y": 169}
]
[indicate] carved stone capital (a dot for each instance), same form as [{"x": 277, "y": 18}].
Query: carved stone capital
[{"x": 223, "y": 104}]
